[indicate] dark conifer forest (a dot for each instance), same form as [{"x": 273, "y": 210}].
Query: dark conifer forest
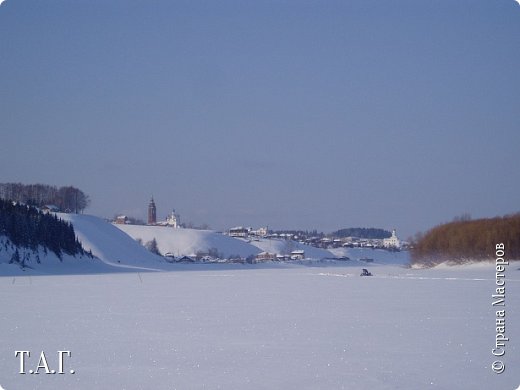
[{"x": 27, "y": 227}]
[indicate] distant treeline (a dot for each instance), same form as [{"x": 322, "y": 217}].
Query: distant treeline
[
  {"x": 461, "y": 241},
  {"x": 299, "y": 233},
  {"x": 68, "y": 198},
  {"x": 371, "y": 233},
  {"x": 27, "y": 227}
]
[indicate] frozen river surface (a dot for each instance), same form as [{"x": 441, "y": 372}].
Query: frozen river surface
[{"x": 294, "y": 328}]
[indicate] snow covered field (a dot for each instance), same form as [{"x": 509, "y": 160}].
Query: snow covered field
[{"x": 281, "y": 328}]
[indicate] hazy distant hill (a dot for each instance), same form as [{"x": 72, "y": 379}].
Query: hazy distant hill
[{"x": 362, "y": 233}]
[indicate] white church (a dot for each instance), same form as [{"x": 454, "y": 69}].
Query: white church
[
  {"x": 172, "y": 220},
  {"x": 392, "y": 242}
]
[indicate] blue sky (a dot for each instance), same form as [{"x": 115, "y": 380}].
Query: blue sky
[{"x": 291, "y": 114}]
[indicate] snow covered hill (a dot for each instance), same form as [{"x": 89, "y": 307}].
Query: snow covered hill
[
  {"x": 114, "y": 251},
  {"x": 117, "y": 249},
  {"x": 187, "y": 242},
  {"x": 281, "y": 246},
  {"x": 45, "y": 262},
  {"x": 110, "y": 244}
]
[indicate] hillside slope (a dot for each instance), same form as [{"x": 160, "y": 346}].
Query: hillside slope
[
  {"x": 188, "y": 242},
  {"x": 281, "y": 246},
  {"x": 110, "y": 244},
  {"x": 40, "y": 261}
]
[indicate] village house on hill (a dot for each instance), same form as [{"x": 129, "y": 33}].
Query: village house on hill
[
  {"x": 121, "y": 220},
  {"x": 243, "y": 232}
]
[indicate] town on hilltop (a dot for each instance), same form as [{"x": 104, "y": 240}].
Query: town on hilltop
[
  {"x": 172, "y": 220},
  {"x": 175, "y": 241},
  {"x": 370, "y": 238}
]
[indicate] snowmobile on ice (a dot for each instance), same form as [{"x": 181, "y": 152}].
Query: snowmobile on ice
[{"x": 365, "y": 272}]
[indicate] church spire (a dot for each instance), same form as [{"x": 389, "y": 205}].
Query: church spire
[{"x": 152, "y": 212}]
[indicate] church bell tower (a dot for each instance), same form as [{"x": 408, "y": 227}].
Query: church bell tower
[{"x": 152, "y": 213}]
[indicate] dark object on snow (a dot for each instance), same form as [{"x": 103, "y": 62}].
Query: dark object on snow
[{"x": 365, "y": 272}]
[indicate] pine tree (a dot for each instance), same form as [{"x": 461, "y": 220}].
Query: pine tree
[{"x": 152, "y": 247}]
